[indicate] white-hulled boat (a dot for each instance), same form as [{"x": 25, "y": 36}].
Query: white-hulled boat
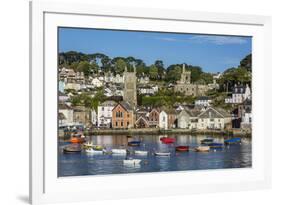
[
  {"x": 163, "y": 154},
  {"x": 119, "y": 151},
  {"x": 202, "y": 149},
  {"x": 140, "y": 152},
  {"x": 92, "y": 151},
  {"x": 88, "y": 144},
  {"x": 131, "y": 161}
]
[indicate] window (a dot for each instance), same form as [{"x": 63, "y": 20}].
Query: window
[
  {"x": 163, "y": 119},
  {"x": 122, "y": 124},
  {"x": 102, "y": 108},
  {"x": 116, "y": 124},
  {"x": 128, "y": 124},
  {"x": 128, "y": 115}
]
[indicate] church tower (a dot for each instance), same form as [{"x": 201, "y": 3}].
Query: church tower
[
  {"x": 130, "y": 87},
  {"x": 185, "y": 76}
]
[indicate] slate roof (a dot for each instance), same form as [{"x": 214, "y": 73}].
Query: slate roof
[
  {"x": 63, "y": 106},
  {"x": 211, "y": 112},
  {"x": 109, "y": 103}
]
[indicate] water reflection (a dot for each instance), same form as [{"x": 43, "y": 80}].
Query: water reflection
[{"x": 233, "y": 156}]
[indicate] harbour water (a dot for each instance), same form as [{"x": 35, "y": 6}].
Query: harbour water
[{"x": 78, "y": 164}]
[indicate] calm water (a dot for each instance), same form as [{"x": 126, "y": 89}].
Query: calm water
[{"x": 77, "y": 164}]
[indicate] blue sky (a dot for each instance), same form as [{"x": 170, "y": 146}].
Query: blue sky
[{"x": 214, "y": 53}]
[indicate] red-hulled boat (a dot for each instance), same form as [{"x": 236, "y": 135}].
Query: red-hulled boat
[
  {"x": 76, "y": 140},
  {"x": 182, "y": 148},
  {"x": 167, "y": 140}
]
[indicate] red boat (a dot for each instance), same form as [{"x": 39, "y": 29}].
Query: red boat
[
  {"x": 76, "y": 140},
  {"x": 182, "y": 148},
  {"x": 167, "y": 140}
]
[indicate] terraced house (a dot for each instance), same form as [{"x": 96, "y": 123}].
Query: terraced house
[{"x": 123, "y": 116}]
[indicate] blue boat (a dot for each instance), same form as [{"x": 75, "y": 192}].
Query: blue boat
[
  {"x": 215, "y": 145},
  {"x": 235, "y": 140},
  {"x": 134, "y": 143}
]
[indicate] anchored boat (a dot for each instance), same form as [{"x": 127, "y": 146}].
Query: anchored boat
[
  {"x": 72, "y": 149},
  {"x": 135, "y": 143},
  {"x": 202, "y": 149},
  {"x": 235, "y": 140},
  {"x": 119, "y": 151},
  {"x": 167, "y": 140},
  {"x": 163, "y": 154},
  {"x": 207, "y": 141},
  {"x": 93, "y": 151},
  {"x": 140, "y": 152},
  {"x": 182, "y": 148}
]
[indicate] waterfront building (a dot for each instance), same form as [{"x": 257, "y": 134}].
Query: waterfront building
[
  {"x": 167, "y": 118},
  {"x": 104, "y": 116},
  {"x": 123, "y": 116},
  {"x": 130, "y": 87},
  {"x": 185, "y": 86},
  {"x": 142, "y": 122},
  {"x": 153, "y": 117},
  {"x": 184, "y": 119},
  {"x": 239, "y": 95},
  {"x": 245, "y": 113},
  {"x": 67, "y": 112},
  {"x": 82, "y": 115},
  {"x": 203, "y": 101},
  {"x": 213, "y": 118}
]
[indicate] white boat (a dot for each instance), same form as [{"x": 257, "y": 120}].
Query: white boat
[
  {"x": 92, "y": 151},
  {"x": 162, "y": 154},
  {"x": 131, "y": 161},
  {"x": 88, "y": 144},
  {"x": 202, "y": 149},
  {"x": 140, "y": 152},
  {"x": 119, "y": 151}
]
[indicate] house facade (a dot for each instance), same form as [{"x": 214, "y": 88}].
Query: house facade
[
  {"x": 213, "y": 118},
  {"x": 153, "y": 117},
  {"x": 123, "y": 116},
  {"x": 67, "y": 112},
  {"x": 203, "y": 101},
  {"x": 104, "y": 116},
  {"x": 239, "y": 94},
  {"x": 167, "y": 119}
]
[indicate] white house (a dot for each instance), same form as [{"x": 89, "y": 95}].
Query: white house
[
  {"x": 213, "y": 118},
  {"x": 72, "y": 86},
  {"x": 183, "y": 119},
  {"x": 163, "y": 120},
  {"x": 97, "y": 82},
  {"x": 118, "y": 79},
  {"x": 203, "y": 101},
  {"x": 239, "y": 94},
  {"x": 105, "y": 113},
  {"x": 67, "y": 112}
]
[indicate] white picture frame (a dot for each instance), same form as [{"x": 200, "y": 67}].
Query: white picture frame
[{"x": 46, "y": 187}]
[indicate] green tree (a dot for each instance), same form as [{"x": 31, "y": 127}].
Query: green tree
[{"x": 153, "y": 72}]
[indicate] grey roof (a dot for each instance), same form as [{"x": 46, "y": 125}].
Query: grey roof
[
  {"x": 109, "y": 103},
  {"x": 211, "y": 112},
  {"x": 203, "y": 98},
  {"x": 126, "y": 105}
]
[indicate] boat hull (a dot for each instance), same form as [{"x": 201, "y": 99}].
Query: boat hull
[{"x": 182, "y": 148}]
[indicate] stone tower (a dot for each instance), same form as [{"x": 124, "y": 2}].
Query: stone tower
[
  {"x": 130, "y": 87},
  {"x": 185, "y": 76}
]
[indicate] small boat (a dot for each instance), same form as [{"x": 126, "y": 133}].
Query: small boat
[
  {"x": 92, "y": 151},
  {"x": 163, "y": 154},
  {"x": 98, "y": 147},
  {"x": 202, "y": 149},
  {"x": 134, "y": 143},
  {"x": 140, "y": 152},
  {"x": 131, "y": 161},
  {"x": 235, "y": 140},
  {"x": 207, "y": 141},
  {"x": 72, "y": 149},
  {"x": 119, "y": 151},
  {"x": 215, "y": 145},
  {"x": 167, "y": 140},
  {"x": 76, "y": 140},
  {"x": 88, "y": 145},
  {"x": 182, "y": 148}
]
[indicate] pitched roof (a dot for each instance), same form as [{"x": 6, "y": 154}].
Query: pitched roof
[
  {"x": 108, "y": 103},
  {"x": 211, "y": 112}
]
